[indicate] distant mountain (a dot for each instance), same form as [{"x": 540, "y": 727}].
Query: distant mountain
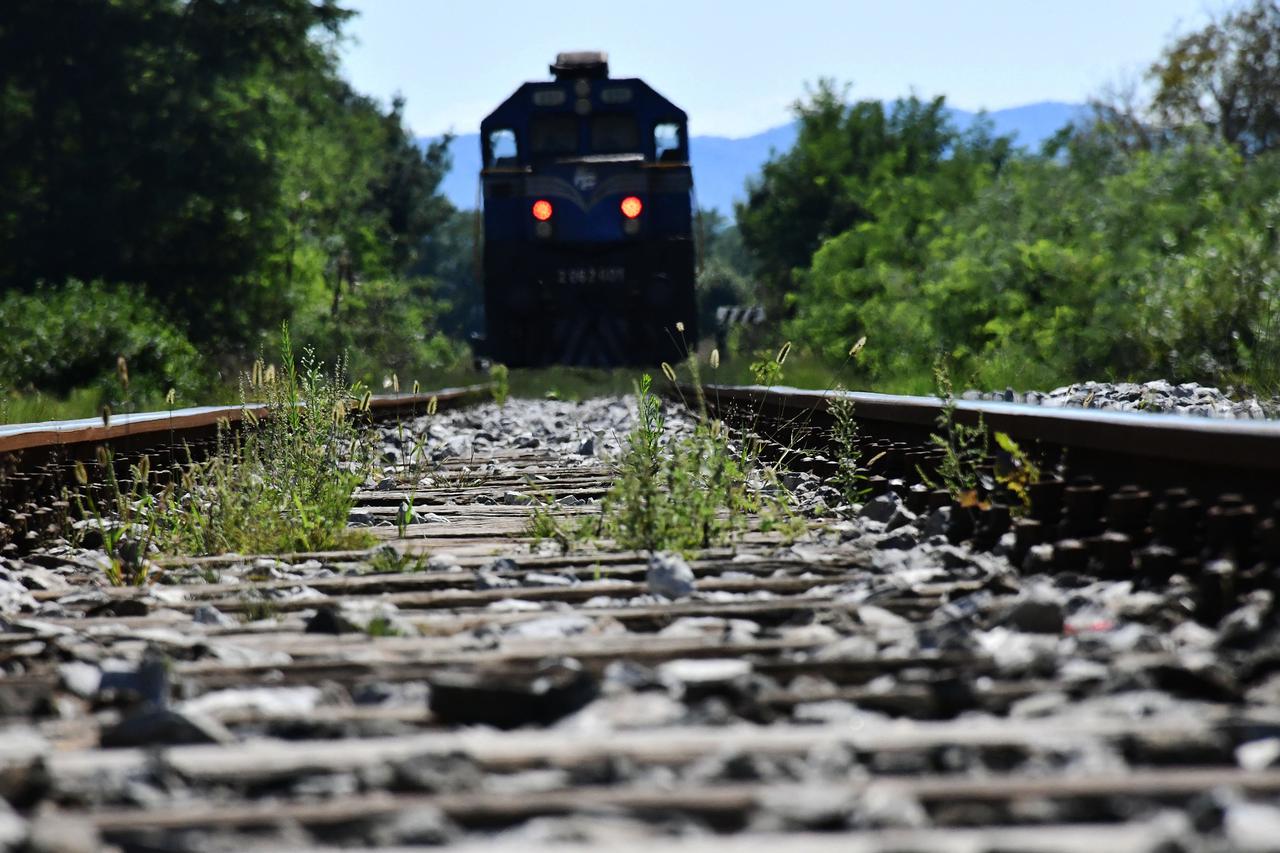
[{"x": 722, "y": 165}]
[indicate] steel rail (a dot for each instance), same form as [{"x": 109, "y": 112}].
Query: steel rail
[
  {"x": 46, "y": 434},
  {"x": 1248, "y": 446}
]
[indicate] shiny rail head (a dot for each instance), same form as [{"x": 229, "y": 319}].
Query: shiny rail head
[
  {"x": 51, "y": 433},
  {"x": 1247, "y": 445}
]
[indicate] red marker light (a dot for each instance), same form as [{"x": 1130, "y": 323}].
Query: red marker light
[
  {"x": 631, "y": 207},
  {"x": 542, "y": 210}
]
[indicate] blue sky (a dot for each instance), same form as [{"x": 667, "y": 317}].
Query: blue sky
[{"x": 736, "y": 66}]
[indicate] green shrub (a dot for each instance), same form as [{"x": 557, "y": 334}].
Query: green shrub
[
  {"x": 283, "y": 485},
  {"x": 690, "y": 492},
  {"x": 383, "y": 326},
  {"x": 58, "y": 338},
  {"x": 1162, "y": 264}
]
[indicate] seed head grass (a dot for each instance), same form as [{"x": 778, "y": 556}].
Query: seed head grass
[{"x": 282, "y": 483}]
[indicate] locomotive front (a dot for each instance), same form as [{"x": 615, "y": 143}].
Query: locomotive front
[{"x": 588, "y": 243}]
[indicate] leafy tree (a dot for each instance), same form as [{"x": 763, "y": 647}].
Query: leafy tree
[
  {"x": 1225, "y": 77},
  {"x": 209, "y": 152},
  {"x": 140, "y": 140},
  {"x": 449, "y": 257},
  {"x": 846, "y": 168}
]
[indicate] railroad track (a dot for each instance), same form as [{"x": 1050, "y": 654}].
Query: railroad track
[
  {"x": 463, "y": 684},
  {"x": 38, "y": 460}
]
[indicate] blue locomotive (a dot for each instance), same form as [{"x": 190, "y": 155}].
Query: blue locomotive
[{"x": 588, "y": 222}]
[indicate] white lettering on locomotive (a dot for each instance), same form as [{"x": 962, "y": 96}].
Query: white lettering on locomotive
[{"x": 591, "y": 275}]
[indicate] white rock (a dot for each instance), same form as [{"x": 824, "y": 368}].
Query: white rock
[{"x": 670, "y": 576}]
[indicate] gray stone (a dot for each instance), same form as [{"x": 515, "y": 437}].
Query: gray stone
[
  {"x": 442, "y": 562},
  {"x": 670, "y": 576},
  {"x": 548, "y": 579},
  {"x": 702, "y": 672},
  {"x": 459, "y": 445},
  {"x": 489, "y": 580},
  {"x": 1258, "y": 754},
  {"x": 13, "y": 829},
  {"x": 164, "y": 727},
  {"x": 1039, "y": 559},
  {"x": 57, "y": 832},
  {"x": 433, "y": 773},
  {"x": 331, "y": 620},
  {"x": 903, "y": 539},
  {"x": 149, "y": 682},
  {"x": 268, "y": 701},
  {"x": 15, "y": 598},
  {"x": 551, "y": 627},
  {"x": 1252, "y": 827},
  {"x": 507, "y": 699},
  {"x": 935, "y": 523},
  {"x": 901, "y": 518},
  {"x": 82, "y": 679},
  {"x": 881, "y": 508},
  {"x": 1036, "y": 613},
  {"x": 361, "y": 518},
  {"x": 421, "y": 825},
  {"x": 629, "y": 675},
  {"x": 502, "y": 565},
  {"x": 207, "y": 614}
]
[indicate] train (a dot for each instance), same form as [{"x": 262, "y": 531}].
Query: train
[{"x": 588, "y": 222}]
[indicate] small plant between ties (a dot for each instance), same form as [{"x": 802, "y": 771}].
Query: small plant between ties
[
  {"x": 693, "y": 491},
  {"x": 127, "y": 522},
  {"x": 500, "y": 377},
  {"x": 850, "y": 477},
  {"x": 963, "y": 447},
  {"x": 1016, "y": 471}
]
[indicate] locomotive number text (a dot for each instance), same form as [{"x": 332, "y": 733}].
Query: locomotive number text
[{"x": 591, "y": 275}]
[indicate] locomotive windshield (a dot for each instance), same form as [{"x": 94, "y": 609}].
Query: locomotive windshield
[
  {"x": 614, "y": 134},
  {"x": 553, "y": 134}
]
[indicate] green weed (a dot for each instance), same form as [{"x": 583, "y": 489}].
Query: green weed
[
  {"x": 691, "y": 492},
  {"x": 381, "y": 626},
  {"x": 850, "y": 477},
  {"x": 258, "y": 609},
  {"x": 547, "y": 523},
  {"x": 387, "y": 560},
  {"x": 124, "y": 515},
  {"x": 284, "y": 484},
  {"x": 500, "y": 376},
  {"x": 767, "y": 368},
  {"x": 1015, "y": 470},
  {"x": 963, "y": 447}
]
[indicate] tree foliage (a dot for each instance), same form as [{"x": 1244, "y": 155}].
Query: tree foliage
[
  {"x": 1226, "y": 78},
  {"x": 848, "y": 167},
  {"x": 1143, "y": 241},
  {"x": 208, "y": 152}
]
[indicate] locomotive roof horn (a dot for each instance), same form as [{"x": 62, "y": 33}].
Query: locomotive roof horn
[{"x": 580, "y": 63}]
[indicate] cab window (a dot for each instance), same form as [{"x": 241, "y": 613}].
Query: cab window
[
  {"x": 502, "y": 147},
  {"x": 668, "y": 141},
  {"x": 553, "y": 135},
  {"x": 614, "y": 134}
]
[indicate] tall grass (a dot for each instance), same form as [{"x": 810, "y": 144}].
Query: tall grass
[
  {"x": 697, "y": 490},
  {"x": 284, "y": 484}
]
